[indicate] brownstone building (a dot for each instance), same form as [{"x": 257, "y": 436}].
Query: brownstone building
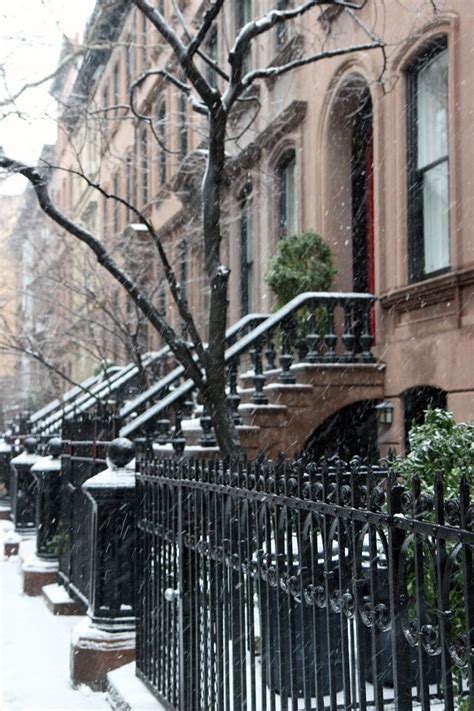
[{"x": 375, "y": 153}]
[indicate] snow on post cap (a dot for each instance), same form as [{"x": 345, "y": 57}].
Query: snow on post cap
[
  {"x": 55, "y": 447},
  {"x": 30, "y": 443},
  {"x": 120, "y": 452}
]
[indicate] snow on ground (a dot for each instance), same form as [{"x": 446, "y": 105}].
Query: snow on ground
[{"x": 34, "y": 650}]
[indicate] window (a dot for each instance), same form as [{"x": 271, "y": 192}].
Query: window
[
  {"x": 129, "y": 184},
  {"x": 116, "y": 87},
  {"x": 428, "y": 164},
  {"x": 130, "y": 61},
  {"x": 116, "y": 207},
  {"x": 183, "y": 125},
  {"x": 211, "y": 52},
  {"x": 144, "y": 167},
  {"x": 183, "y": 267},
  {"x": 286, "y": 194},
  {"x": 243, "y": 15},
  {"x": 246, "y": 250},
  {"x": 283, "y": 33},
  {"x": 161, "y": 134},
  {"x": 144, "y": 39}
]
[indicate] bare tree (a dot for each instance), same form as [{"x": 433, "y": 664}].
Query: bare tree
[{"x": 215, "y": 102}]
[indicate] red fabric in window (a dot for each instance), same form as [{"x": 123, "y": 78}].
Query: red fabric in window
[{"x": 371, "y": 227}]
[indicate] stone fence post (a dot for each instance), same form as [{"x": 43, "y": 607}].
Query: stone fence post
[
  {"x": 41, "y": 569},
  {"x": 106, "y": 639},
  {"x": 23, "y": 488},
  {"x": 6, "y": 454}
]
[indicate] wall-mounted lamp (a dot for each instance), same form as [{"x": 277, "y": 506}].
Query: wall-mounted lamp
[{"x": 384, "y": 412}]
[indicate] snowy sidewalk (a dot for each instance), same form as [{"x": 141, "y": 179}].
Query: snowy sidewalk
[{"x": 34, "y": 651}]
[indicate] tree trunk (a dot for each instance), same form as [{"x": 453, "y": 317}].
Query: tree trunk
[{"x": 218, "y": 276}]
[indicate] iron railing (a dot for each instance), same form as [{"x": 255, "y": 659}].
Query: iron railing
[
  {"x": 295, "y": 585},
  {"x": 109, "y": 385},
  {"x": 173, "y": 381},
  {"x": 327, "y": 328}
]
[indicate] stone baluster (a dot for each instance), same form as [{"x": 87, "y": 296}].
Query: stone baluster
[
  {"x": 178, "y": 440},
  {"x": 286, "y": 356},
  {"x": 233, "y": 398},
  {"x": 270, "y": 352},
  {"x": 366, "y": 338},
  {"x": 207, "y": 438},
  {"x": 348, "y": 338},
  {"x": 330, "y": 337},
  {"x": 258, "y": 377},
  {"x": 313, "y": 339}
]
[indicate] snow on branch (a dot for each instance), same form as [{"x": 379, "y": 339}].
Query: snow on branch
[
  {"x": 303, "y": 61},
  {"x": 40, "y": 186}
]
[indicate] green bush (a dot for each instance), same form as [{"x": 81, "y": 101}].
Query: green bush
[
  {"x": 441, "y": 445},
  {"x": 302, "y": 263}
]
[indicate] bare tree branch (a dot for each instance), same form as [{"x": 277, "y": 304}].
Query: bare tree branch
[
  {"x": 303, "y": 61},
  {"x": 176, "y": 343}
]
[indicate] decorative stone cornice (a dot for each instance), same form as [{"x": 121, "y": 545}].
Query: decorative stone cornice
[{"x": 437, "y": 290}]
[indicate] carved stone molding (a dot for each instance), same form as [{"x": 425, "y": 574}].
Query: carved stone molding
[{"x": 429, "y": 292}]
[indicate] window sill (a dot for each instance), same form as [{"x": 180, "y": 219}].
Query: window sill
[{"x": 425, "y": 293}]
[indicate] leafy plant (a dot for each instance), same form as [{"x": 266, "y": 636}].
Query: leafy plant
[
  {"x": 303, "y": 262},
  {"x": 440, "y": 445},
  {"x": 60, "y": 541}
]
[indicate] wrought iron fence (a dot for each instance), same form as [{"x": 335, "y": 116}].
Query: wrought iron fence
[{"x": 293, "y": 585}]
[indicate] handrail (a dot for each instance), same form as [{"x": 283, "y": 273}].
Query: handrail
[
  {"x": 174, "y": 375},
  {"x": 104, "y": 387},
  {"x": 69, "y": 395},
  {"x": 125, "y": 377},
  {"x": 246, "y": 342}
]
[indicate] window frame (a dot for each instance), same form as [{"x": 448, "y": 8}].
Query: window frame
[
  {"x": 246, "y": 248},
  {"x": 286, "y": 158},
  {"x": 415, "y": 207}
]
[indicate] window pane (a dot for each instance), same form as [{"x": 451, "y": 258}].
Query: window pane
[
  {"x": 290, "y": 198},
  {"x": 432, "y": 113},
  {"x": 436, "y": 218}
]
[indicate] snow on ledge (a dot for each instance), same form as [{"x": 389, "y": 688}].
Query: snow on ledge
[
  {"x": 86, "y": 636},
  {"x": 127, "y": 693}
]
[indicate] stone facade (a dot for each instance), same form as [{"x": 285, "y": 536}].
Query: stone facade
[{"x": 328, "y": 147}]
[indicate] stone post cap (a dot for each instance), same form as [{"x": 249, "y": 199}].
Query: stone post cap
[
  {"x": 30, "y": 443},
  {"x": 117, "y": 476},
  {"x": 120, "y": 452},
  {"x": 55, "y": 447}
]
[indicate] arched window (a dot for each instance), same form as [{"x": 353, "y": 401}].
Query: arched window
[
  {"x": 428, "y": 162},
  {"x": 246, "y": 250},
  {"x": 286, "y": 194}
]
